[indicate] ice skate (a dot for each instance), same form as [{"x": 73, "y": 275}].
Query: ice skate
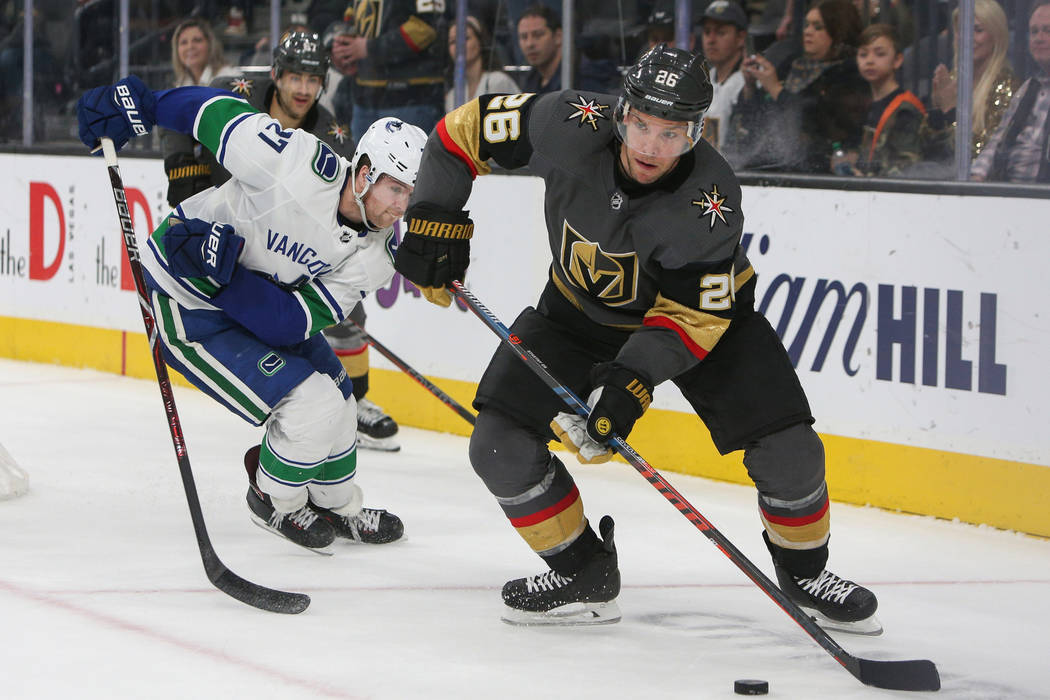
[
  {"x": 833, "y": 602},
  {"x": 370, "y": 526},
  {"x": 375, "y": 429},
  {"x": 587, "y": 598},
  {"x": 302, "y": 526}
]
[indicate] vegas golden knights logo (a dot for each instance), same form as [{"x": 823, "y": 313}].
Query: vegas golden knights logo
[
  {"x": 612, "y": 278},
  {"x": 367, "y": 16}
]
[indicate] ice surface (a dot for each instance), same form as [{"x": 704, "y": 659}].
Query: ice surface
[{"x": 102, "y": 594}]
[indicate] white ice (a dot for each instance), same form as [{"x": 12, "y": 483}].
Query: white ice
[{"x": 102, "y": 593}]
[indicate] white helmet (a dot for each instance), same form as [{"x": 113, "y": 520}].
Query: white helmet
[{"x": 393, "y": 148}]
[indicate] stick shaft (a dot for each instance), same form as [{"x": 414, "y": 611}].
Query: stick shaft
[
  {"x": 217, "y": 572},
  {"x": 419, "y": 378}
]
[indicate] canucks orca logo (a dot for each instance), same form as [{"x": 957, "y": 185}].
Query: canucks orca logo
[
  {"x": 326, "y": 162},
  {"x": 612, "y": 278}
]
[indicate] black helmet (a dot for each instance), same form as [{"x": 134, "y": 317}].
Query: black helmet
[
  {"x": 300, "y": 52},
  {"x": 667, "y": 83}
]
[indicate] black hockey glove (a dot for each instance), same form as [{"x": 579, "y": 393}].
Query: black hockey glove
[
  {"x": 435, "y": 250},
  {"x": 620, "y": 398},
  {"x": 186, "y": 177}
]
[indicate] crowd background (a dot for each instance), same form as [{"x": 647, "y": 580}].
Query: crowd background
[{"x": 792, "y": 96}]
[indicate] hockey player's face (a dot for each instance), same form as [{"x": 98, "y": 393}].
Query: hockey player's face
[
  {"x": 386, "y": 201},
  {"x": 297, "y": 92},
  {"x": 651, "y": 146}
]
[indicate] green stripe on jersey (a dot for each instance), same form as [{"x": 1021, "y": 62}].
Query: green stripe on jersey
[
  {"x": 158, "y": 236},
  {"x": 253, "y": 410},
  {"x": 322, "y": 315},
  {"x": 214, "y": 118}
]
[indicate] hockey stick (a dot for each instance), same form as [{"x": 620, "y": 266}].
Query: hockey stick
[
  {"x": 225, "y": 580},
  {"x": 423, "y": 381},
  {"x": 895, "y": 675}
]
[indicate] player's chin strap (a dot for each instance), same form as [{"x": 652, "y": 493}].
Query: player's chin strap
[{"x": 359, "y": 197}]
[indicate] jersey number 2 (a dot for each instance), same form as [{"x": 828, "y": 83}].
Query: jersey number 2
[{"x": 280, "y": 138}]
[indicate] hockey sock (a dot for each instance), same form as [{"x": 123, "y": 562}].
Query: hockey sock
[
  {"x": 570, "y": 560},
  {"x": 801, "y": 563}
]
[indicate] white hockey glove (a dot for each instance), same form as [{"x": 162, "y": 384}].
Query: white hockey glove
[{"x": 571, "y": 429}]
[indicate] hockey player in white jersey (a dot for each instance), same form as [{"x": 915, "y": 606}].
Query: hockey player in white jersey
[{"x": 243, "y": 278}]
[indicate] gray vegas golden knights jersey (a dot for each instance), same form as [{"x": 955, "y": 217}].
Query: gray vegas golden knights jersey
[{"x": 663, "y": 261}]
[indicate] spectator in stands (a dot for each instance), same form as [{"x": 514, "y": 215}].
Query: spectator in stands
[
  {"x": 897, "y": 14},
  {"x": 513, "y": 10},
  {"x": 790, "y": 122},
  {"x": 891, "y": 133},
  {"x": 401, "y": 59},
  {"x": 724, "y": 27},
  {"x": 47, "y": 75},
  {"x": 539, "y": 36},
  {"x": 482, "y": 76},
  {"x": 770, "y": 20},
  {"x": 994, "y": 84},
  {"x": 338, "y": 96},
  {"x": 197, "y": 59},
  {"x": 1019, "y": 150},
  {"x": 659, "y": 27}
]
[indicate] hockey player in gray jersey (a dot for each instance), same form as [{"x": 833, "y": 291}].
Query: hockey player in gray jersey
[
  {"x": 648, "y": 283},
  {"x": 243, "y": 277}
]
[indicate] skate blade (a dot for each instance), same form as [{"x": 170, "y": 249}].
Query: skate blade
[
  {"x": 388, "y": 444},
  {"x": 572, "y": 614},
  {"x": 869, "y": 626},
  {"x": 266, "y": 526}
]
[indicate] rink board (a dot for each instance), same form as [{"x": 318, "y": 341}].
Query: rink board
[{"x": 915, "y": 322}]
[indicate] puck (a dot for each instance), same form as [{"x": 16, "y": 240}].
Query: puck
[{"x": 750, "y": 687}]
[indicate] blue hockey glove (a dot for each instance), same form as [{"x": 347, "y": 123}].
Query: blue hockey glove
[
  {"x": 118, "y": 111},
  {"x": 198, "y": 248}
]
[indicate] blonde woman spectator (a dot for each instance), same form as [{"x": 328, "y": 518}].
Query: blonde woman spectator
[
  {"x": 481, "y": 78},
  {"x": 196, "y": 54},
  {"x": 197, "y": 59},
  {"x": 994, "y": 84}
]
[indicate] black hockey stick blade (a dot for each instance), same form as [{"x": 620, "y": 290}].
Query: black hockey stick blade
[
  {"x": 257, "y": 596},
  {"x": 918, "y": 674}
]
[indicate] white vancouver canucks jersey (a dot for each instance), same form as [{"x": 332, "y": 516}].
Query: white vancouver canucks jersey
[{"x": 283, "y": 199}]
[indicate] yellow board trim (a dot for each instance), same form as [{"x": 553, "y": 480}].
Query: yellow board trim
[{"x": 997, "y": 492}]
